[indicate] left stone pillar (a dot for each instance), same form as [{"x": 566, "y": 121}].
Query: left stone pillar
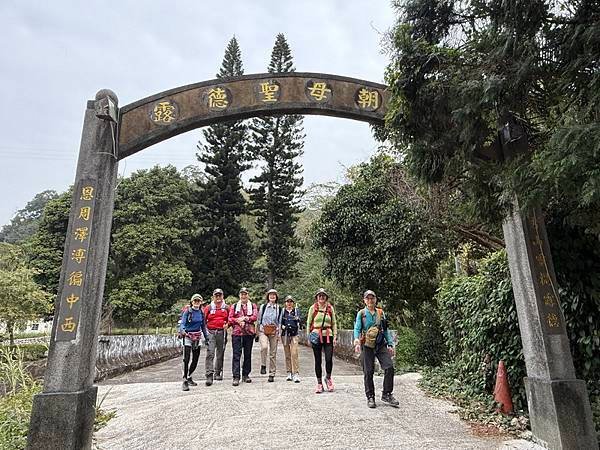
[{"x": 63, "y": 414}]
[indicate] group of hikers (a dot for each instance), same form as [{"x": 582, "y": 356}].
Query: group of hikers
[{"x": 272, "y": 323}]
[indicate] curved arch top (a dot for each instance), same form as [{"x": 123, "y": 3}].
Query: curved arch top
[{"x": 161, "y": 116}]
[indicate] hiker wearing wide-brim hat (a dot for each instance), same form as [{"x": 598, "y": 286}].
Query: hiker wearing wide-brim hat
[
  {"x": 268, "y": 323},
  {"x": 242, "y": 317},
  {"x": 192, "y": 329},
  {"x": 290, "y": 325},
  {"x": 373, "y": 340},
  {"x": 321, "y": 326}
]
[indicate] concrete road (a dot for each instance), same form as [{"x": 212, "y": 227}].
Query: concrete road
[{"x": 154, "y": 413}]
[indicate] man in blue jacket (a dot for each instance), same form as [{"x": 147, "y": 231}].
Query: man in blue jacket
[
  {"x": 372, "y": 338},
  {"x": 192, "y": 328}
]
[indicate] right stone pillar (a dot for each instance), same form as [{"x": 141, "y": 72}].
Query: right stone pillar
[{"x": 559, "y": 407}]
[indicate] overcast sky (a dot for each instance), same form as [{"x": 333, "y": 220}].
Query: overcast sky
[{"x": 57, "y": 55}]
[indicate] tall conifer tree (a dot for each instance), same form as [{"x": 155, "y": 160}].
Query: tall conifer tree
[
  {"x": 277, "y": 142},
  {"x": 223, "y": 251}
]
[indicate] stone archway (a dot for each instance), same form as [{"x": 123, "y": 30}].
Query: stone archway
[{"x": 63, "y": 415}]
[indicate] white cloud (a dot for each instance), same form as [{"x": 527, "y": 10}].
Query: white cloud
[{"x": 57, "y": 55}]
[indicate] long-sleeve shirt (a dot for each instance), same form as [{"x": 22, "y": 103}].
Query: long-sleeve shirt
[
  {"x": 370, "y": 320},
  {"x": 196, "y": 323},
  {"x": 329, "y": 323},
  {"x": 247, "y": 328},
  {"x": 269, "y": 315}
]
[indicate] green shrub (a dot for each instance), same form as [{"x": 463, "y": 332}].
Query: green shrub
[
  {"x": 478, "y": 317},
  {"x": 406, "y": 349},
  {"x": 31, "y": 352}
]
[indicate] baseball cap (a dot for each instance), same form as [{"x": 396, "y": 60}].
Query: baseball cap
[
  {"x": 196, "y": 297},
  {"x": 290, "y": 298},
  {"x": 244, "y": 289},
  {"x": 369, "y": 292},
  {"x": 217, "y": 291}
]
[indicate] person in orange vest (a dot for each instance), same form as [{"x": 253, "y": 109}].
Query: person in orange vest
[
  {"x": 321, "y": 326},
  {"x": 217, "y": 321},
  {"x": 372, "y": 338}
]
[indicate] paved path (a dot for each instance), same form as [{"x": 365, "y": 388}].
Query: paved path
[{"x": 154, "y": 413}]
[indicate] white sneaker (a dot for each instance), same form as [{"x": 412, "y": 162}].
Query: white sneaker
[
  {"x": 289, "y": 377},
  {"x": 296, "y": 378}
]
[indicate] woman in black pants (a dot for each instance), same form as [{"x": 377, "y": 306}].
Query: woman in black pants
[
  {"x": 321, "y": 326},
  {"x": 192, "y": 328}
]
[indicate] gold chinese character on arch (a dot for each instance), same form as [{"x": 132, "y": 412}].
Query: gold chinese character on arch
[
  {"x": 544, "y": 279},
  {"x": 549, "y": 299},
  {"x": 71, "y": 300},
  {"x": 78, "y": 255},
  {"x": 319, "y": 91},
  {"x": 552, "y": 320},
  {"x": 76, "y": 278},
  {"x": 217, "y": 98},
  {"x": 81, "y": 234},
  {"x": 84, "y": 213},
  {"x": 367, "y": 99},
  {"x": 269, "y": 92},
  {"x": 164, "y": 112},
  {"x": 68, "y": 326},
  {"x": 87, "y": 193}
]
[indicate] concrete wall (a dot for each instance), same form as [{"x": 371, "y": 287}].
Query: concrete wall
[{"x": 118, "y": 354}]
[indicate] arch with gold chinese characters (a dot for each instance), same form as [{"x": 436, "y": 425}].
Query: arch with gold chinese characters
[{"x": 178, "y": 110}]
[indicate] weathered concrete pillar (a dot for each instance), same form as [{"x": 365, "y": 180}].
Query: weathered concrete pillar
[
  {"x": 63, "y": 415},
  {"x": 558, "y": 403}
]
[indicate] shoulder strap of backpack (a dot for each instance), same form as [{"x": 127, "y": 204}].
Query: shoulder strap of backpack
[{"x": 315, "y": 312}]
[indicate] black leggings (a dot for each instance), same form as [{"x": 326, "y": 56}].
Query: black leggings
[
  {"x": 318, "y": 351},
  {"x": 187, "y": 349}
]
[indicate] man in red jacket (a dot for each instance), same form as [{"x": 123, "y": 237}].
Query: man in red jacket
[{"x": 217, "y": 317}]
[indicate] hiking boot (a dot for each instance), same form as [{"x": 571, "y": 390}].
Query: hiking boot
[
  {"x": 329, "y": 383},
  {"x": 263, "y": 370},
  {"x": 319, "y": 389},
  {"x": 209, "y": 380},
  {"x": 371, "y": 402},
  {"x": 390, "y": 400},
  {"x": 191, "y": 382},
  {"x": 236, "y": 382},
  {"x": 271, "y": 378},
  {"x": 289, "y": 377},
  {"x": 296, "y": 378},
  {"x": 219, "y": 376},
  {"x": 184, "y": 386},
  {"x": 246, "y": 379}
]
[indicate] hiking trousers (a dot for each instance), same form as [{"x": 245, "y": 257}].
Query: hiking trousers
[
  {"x": 242, "y": 343},
  {"x": 367, "y": 357},
  {"x": 216, "y": 347},
  {"x": 188, "y": 369},
  {"x": 268, "y": 344},
  {"x": 318, "y": 350},
  {"x": 290, "y": 348}
]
